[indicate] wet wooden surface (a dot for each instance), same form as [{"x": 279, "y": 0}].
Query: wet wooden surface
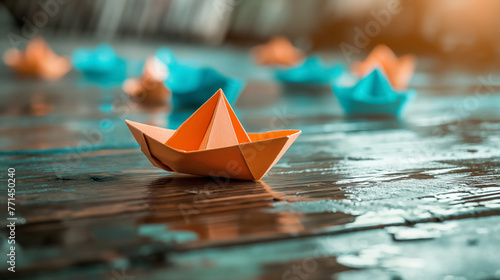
[{"x": 353, "y": 198}]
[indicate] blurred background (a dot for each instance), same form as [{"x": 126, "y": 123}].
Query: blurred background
[
  {"x": 455, "y": 42},
  {"x": 462, "y": 30}
]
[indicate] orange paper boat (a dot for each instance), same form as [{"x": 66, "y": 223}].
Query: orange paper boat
[
  {"x": 278, "y": 51},
  {"x": 398, "y": 70},
  {"x": 213, "y": 143},
  {"x": 149, "y": 88},
  {"x": 38, "y": 60}
]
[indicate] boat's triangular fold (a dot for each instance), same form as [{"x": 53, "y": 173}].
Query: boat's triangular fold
[
  {"x": 260, "y": 156},
  {"x": 240, "y": 132},
  {"x": 189, "y": 135},
  {"x": 213, "y": 125},
  {"x": 220, "y": 132}
]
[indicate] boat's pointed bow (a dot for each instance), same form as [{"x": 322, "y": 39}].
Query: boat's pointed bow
[
  {"x": 158, "y": 133},
  {"x": 136, "y": 132},
  {"x": 142, "y": 131},
  {"x": 260, "y": 156}
]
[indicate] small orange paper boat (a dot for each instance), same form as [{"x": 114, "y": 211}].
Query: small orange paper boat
[
  {"x": 213, "y": 143},
  {"x": 279, "y": 51},
  {"x": 149, "y": 88},
  {"x": 398, "y": 70},
  {"x": 38, "y": 60}
]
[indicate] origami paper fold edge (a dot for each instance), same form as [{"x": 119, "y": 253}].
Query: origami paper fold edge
[{"x": 248, "y": 161}]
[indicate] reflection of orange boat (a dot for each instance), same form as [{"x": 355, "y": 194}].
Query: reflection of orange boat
[
  {"x": 398, "y": 70},
  {"x": 38, "y": 60},
  {"x": 212, "y": 142},
  {"x": 217, "y": 210},
  {"x": 279, "y": 51}
]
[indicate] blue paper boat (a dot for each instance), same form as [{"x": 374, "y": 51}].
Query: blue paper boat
[
  {"x": 101, "y": 60},
  {"x": 100, "y": 65},
  {"x": 372, "y": 95},
  {"x": 311, "y": 73},
  {"x": 192, "y": 86}
]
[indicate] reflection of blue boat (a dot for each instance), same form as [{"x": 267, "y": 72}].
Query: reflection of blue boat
[
  {"x": 100, "y": 65},
  {"x": 310, "y": 73},
  {"x": 192, "y": 86},
  {"x": 372, "y": 95}
]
